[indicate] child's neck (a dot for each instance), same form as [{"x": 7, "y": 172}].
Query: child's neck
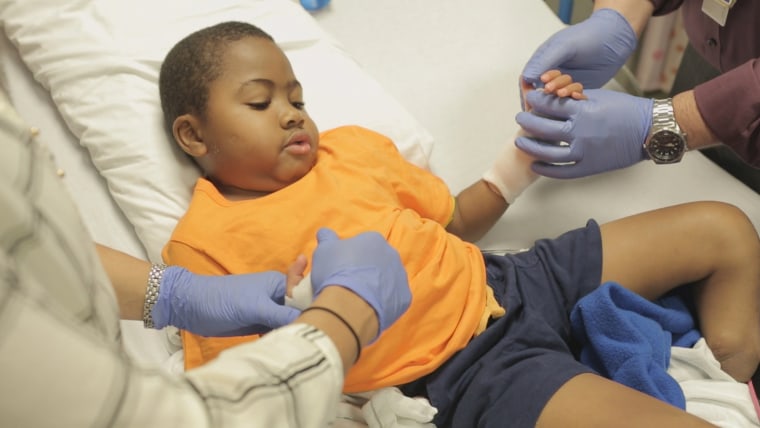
[{"x": 232, "y": 193}]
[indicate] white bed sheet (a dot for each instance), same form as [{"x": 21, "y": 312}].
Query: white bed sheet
[{"x": 454, "y": 66}]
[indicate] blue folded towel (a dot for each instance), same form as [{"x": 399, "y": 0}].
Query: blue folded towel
[{"x": 627, "y": 338}]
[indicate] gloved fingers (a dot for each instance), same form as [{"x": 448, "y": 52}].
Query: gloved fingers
[
  {"x": 544, "y": 128},
  {"x": 280, "y": 315},
  {"x": 545, "y": 151},
  {"x": 550, "y": 55},
  {"x": 550, "y": 105},
  {"x": 524, "y": 86},
  {"x": 562, "y": 171},
  {"x": 325, "y": 234},
  {"x": 275, "y": 286}
]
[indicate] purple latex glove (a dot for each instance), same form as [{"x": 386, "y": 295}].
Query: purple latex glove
[
  {"x": 605, "y": 132},
  {"x": 366, "y": 265},
  {"x": 591, "y": 51},
  {"x": 225, "y": 305}
]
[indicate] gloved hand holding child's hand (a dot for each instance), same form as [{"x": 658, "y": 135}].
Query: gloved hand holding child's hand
[
  {"x": 591, "y": 51},
  {"x": 366, "y": 265},
  {"x": 228, "y": 305},
  {"x": 604, "y": 132}
]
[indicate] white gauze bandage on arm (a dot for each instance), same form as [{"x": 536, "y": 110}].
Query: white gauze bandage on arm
[{"x": 511, "y": 172}]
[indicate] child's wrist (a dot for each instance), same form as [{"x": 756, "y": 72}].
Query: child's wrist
[{"x": 511, "y": 174}]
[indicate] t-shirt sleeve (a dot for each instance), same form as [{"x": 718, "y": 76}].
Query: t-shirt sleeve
[{"x": 178, "y": 253}]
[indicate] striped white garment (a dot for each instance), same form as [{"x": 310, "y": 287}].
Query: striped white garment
[{"x": 61, "y": 359}]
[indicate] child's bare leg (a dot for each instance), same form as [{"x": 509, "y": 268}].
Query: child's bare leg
[
  {"x": 589, "y": 401},
  {"x": 710, "y": 244}
]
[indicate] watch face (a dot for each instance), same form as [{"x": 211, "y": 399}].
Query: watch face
[{"x": 666, "y": 146}]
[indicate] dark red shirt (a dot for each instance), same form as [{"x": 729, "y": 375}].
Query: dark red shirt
[{"x": 730, "y": 103}]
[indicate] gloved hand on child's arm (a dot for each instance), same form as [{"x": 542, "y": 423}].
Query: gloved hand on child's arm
[
  {"x": 380, "y": 280},
  {"x": 226, "y": 305}
]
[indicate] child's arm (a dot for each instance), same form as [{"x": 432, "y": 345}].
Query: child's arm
[
  {"x": 480, "y": 206},
  {"x": 477, "y": 209}
]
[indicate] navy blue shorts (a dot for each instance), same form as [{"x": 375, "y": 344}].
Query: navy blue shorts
[{"x": 506, "y": 375}]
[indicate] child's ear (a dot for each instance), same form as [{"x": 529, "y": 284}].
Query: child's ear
[{"x": 186, "y": 132}]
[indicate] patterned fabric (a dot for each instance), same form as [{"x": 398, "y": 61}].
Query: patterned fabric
[
  {"x": 662, "y": 46},
  {"x": 61, "y": 360}
]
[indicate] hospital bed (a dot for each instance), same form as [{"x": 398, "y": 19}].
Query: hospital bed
[{"x": 439, "y": 77}]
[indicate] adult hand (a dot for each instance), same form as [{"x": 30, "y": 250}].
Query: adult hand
[
  {"x": 229, "y": 305},
  {"x": 604, "y": 132},
  {"x": 366, "y": 265},
  {"x": 591, "y": 51}
]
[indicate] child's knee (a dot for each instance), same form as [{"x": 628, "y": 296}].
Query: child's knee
[
  {"x": 731, "y": 227},
  {"x": 738, "y": 352}
]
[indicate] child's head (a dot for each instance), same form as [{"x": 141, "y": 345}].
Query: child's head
[{"x": 232, "y": 102}]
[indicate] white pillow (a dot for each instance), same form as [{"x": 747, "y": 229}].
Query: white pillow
[{"x": 100, "y": 61}]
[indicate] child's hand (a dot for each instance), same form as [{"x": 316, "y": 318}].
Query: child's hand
[
  {"x": 294, "y": 275},
  {"x": 562, "y": 85}
]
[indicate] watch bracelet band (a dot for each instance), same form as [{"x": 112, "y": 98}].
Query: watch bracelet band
[
  {"x": 151, "y": 292},
  {"x": 663, "y": 117}
]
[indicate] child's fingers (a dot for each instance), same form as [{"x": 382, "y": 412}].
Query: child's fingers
[
  {"x": 550, "y": 75},
  {"x": 557, "y": 83},
  {"x": 570, "y": 89},
  {"x": 579, "y": 96}
]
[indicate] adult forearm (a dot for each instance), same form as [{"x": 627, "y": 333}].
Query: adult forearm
[
  {"x": 636, "y": 12},
  {"x": 129, "y": 278},
  {"x": 698, "y": 135},
  {"x": 359, "y": 315}
]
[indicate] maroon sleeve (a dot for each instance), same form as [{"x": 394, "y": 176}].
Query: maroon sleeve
[{"x": 730, "y": 106}]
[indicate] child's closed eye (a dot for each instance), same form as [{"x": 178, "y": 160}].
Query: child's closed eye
[{"x": 258, "y": 106}]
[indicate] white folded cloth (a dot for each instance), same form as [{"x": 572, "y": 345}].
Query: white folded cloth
[{"x": 710, "y": 392}]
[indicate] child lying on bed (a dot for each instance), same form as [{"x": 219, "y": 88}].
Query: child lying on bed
[{"x": 232, "y": 102}]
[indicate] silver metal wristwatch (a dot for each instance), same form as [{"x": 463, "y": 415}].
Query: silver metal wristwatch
[{"x": 665, "y": 143}]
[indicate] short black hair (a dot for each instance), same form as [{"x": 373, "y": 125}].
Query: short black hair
[{"x": 193, "y": 63}]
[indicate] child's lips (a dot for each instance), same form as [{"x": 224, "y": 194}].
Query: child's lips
[
  {"x": 298, "y": 145},
  {"x": 298, "y": 148}
]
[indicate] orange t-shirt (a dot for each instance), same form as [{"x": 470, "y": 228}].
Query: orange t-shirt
[{"x": 359, "y": 183}]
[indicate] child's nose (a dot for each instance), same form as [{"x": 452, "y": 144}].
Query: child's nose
[{"x": 292, "y": 116}]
